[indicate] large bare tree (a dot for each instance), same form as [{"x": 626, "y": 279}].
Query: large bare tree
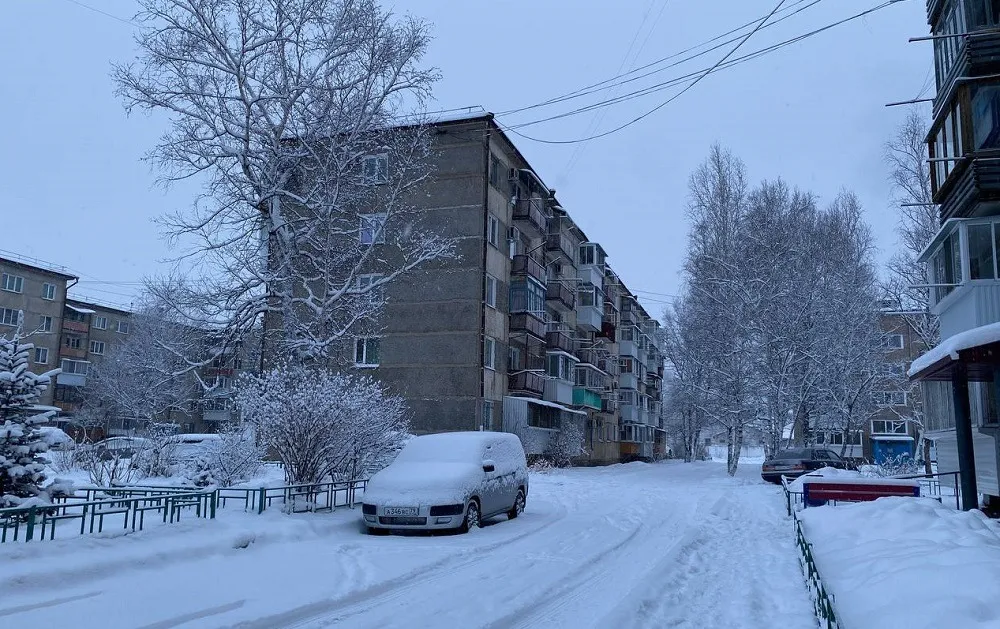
[{"x": 288, "y": 111}]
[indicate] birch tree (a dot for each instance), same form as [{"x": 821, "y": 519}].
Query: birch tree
[{"x": 284, "y": 110}]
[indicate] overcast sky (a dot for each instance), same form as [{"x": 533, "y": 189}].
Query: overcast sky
[{"x": 812, "y": 113}]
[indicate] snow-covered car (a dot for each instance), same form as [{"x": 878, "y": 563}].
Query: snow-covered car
[
  {"x": 452, "y": 480},
  {"x": 56, "y": 438},
  {"x": 190, "y": 447},
  {"x": 123, "y": 447},
  {"x": 795, "y": 463}
]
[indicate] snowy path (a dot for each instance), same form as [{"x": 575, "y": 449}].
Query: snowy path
[{"x": 629, "y": 546}]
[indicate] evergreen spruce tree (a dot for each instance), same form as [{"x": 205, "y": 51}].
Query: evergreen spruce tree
[{"x": 21, "y": 445}]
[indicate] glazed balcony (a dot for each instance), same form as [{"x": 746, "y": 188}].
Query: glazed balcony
[
  {"x": 586, "y": 397},
  {"x": 532, "y": 212},
  {"x": 527, "y": 266}
]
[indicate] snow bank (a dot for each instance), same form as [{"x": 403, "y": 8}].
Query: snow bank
[
  {"x": 907, "y": 562},
  {"x": 952, "y": 345},
  {"x": 832, "y": 473}
]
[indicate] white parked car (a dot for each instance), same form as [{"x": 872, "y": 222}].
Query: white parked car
[{"x": 452, "y": 480}]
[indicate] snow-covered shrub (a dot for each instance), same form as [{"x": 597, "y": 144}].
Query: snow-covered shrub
[
  {"x": 541, "y": 465},
  {"x": 232, "y": 458},
  {"x": 107, "y": 467},
  {"x": 322, "y": 424},
  {"x": 567, "y": 444},
  {"x": 22, "y": 463},
  {"x": 902, "y": 465}
]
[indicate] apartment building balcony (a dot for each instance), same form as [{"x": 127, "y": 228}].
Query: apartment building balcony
[
  {"x": 978, "y": 55},
  {"x": 609, "y": 404},
  {"x": 583, "y": 396},
  {"x": 628, "y": 348},
  {"x": 628, "y": 381},
  {"x": 559, "y": 341},
  {"x": 558, "y": 391},
  {"x": 528, "y": 383},
  {"x": 968, "y": 182},
  {"x": 70, "y": 352},
  {"x": 629, "y": 317},
  {"x": 560, "y": 296},
  {"x": 221, "y": 415},
  {"x": 75, "y": 326},
  {"x": 532, "y": 212},
  {"x": 527, "y": 323},
  {"x": 527, "y": 266},
  {"x": 629, "y": 412},
  {"x": 561, "y": 247}
]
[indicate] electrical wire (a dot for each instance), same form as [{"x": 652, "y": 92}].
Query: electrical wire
[{"x": 699, "y": 75}]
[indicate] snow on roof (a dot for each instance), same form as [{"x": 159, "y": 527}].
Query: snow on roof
[
  {"x": 549, "y": 404},
  {"x": 891, "y": 438},
  {"x": 80, "y": 310},
  {"x": 951, "y": 346}
]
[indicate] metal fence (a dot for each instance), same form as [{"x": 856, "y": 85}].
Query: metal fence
[
  {"x": 823, "y": 600},
  {"x": 89, "y": 507},
  {"x": 936, "y": 486}
]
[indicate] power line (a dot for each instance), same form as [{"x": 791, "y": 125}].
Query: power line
[
  {"x": 104, "y": 13},
  {"x": 672, "y": 98},
  {"x": 678, "y": 80}
]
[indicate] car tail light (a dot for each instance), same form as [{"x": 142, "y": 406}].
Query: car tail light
[
  {"x": 447, "y": 510},
  {"x": 368, "y": 509}
]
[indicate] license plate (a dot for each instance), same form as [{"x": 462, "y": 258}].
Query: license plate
[{"x": 400, "y": 511}]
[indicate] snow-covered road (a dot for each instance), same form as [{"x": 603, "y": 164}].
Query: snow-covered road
[{"x": 667, "y": 545}]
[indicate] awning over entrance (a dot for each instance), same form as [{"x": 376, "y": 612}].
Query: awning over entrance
[{"x": 978, "y": 350}]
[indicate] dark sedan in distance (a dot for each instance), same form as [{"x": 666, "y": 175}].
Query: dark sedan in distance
[{"x": 795, "y": 463}]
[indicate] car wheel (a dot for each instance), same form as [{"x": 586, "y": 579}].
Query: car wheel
[
  {"x": 472, "y": 517},
  {"x": 518, "y": 507}
]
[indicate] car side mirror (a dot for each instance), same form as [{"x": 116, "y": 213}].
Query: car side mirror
[{"x": 489, "y": 466}]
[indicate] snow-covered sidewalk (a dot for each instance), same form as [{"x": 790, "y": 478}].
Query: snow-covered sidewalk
[
  {"x": 626, "y": 546},
  {"x": 907, "y": 562}
]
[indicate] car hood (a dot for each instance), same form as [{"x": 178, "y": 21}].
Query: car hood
[{"x": 416, "y": 484}]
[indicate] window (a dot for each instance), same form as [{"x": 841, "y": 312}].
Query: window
[
  {"x": 588, "y": 296},
  {"x": 376, "y": 169},
  {"x": 366, "y": 351},
  {"x": 72, "y": 342},
  {"x": 892, "y": 341},
  {"x": 498, "y": 173},
  {"x": 493, "y": 230},
  {"x": 41, "y": 356},
  {"x": 854, "y": 438},
  {"x": 888, "y": 427},
  {"x": 543, "y": 416},
  {"x": 372, "y": 230},
  {"x": 363, "y": 282},
  {"x": 487, "y": 414},
  {"x": 514, "y": 359},
  {"x": 75, "y": 366},
  {"x": 820, "y": 438},
  {"x": 44, "y": 324},
  {"x": 491, "y": 291},
  {"x": 490, "y": 353},
  {"x": 97, "y": 347},
  {"x": 559, "y": 366},
  {"x": 951, "y": 21},
  {"x": 13, "y": 283},
  {"x": 8, "y": 316},
  {"x": 894, "y": 370},
  {"x": 221, "y": 382},
  {"x": 983, "y": 13},
  {"x": 986, "y": 116},
  {"x": 48, "y": 291},
  {"x": 101, "y": 323},
  {"x": 889, "y": 398},
  {"x": 527, "y": 296},
  {"x": 946, "y": 146},
  {"x": 981, "y": 252},
  {"x": 626, "y": 365},
  {"x": 123, "y": 327}
]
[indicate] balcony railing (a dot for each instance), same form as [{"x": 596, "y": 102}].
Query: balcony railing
[
  {"x": 630, "y": 317},
  {"x": 558, "y": 243},
  {"x": 585, "y": 397},
  {"x": 530, "y": 211},
  {"x": 526, "y": 382},
  {"x": 561, "y": 295},
  {"x": 559, "y": 341},
  {"x": 527, "y": 322},
  {"x": 527, "y": 265},
  {"x": 75, "y": 326}
]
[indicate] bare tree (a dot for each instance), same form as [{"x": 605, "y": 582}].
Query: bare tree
[{"x": 285, "y": 110}]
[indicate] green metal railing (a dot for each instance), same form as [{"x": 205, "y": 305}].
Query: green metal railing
[
  {"x": 822, "y": 599},
  {"x": 39, "y": 521},
  {"x": 305, "y": 497}
]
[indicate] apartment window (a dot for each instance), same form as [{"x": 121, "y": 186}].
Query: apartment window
[
  {"x": 366, "y": 351},
  {"x": 947, "y": 266},
  {"x": 490, "y": 353},
  {"x": 889, "y": 398},
  {"x": 75, "y": 366},
  {"x": 587, "y": 296},
  {"x": 493, "y": 230},
  {"x": 221, "y": 382},
  {"x": 97, "y": 347},
  {"x": 13, "y": 283},
  {"x": 123, "y": 327},
  {"x": 888, "y": 427},
  {"x": 626, "y": 365},
  {"x": 8, "y": 316},
  {"x": 559, "y": 366},
  {"x": 983, "y": 13},
  {"x": 363, "y": 283},
  {"x": 48, "y": 291},
  {"x": 372, "y": 230},
  {"x": 498, "y": 172},
  {"x": 72, "y": 342},
  {"x": 101, "y": 323},
  {"x": 892, "y": 341},
  {"x": 947, "y": 146},
  {"x": 488, "y": 414},
  {"x": 981, "y": 252},
  {"x": 514, "y": 359},
  {"x": 894, "y": 370},
  {"x": 41, "y": 356},
  {"x": 527, "y": 296},
  {"x": 44, "y": 324},
  {"x": 491, "y": 291},
  {"x": 951, "y": 21},
  {"x": 376, "y": 169}
]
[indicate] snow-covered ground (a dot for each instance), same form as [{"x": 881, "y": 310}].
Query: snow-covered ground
[
  {"x": 907, "y": 562},
  {"x": 666, "y": 545}
]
